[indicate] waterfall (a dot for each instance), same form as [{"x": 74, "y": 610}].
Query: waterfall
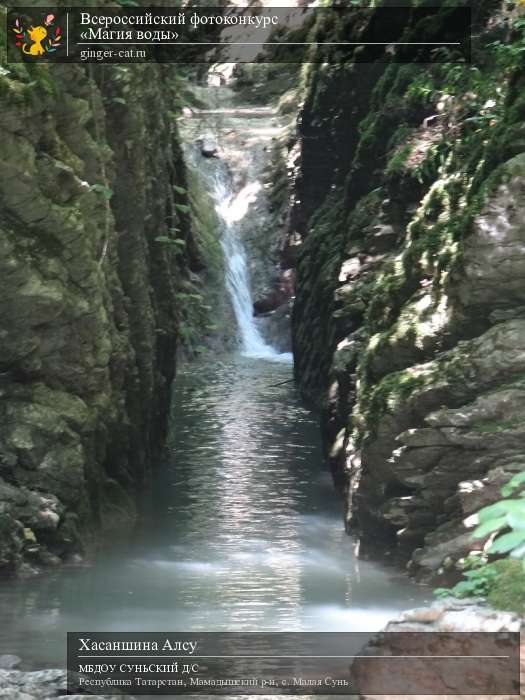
[
  {"x": 228, "y": 145},
  {"x": 231, "y": 208}
]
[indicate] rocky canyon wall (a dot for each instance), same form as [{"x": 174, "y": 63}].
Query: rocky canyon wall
[
  {"x": 409, "y": 201},
  {"x": 98, "y": 255}
]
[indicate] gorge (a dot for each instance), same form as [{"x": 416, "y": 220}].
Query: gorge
[
  {"x": 201, "y": 265},
  {"x": 244, "y": 526}
]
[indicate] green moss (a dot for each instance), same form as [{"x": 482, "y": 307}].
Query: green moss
[
  {"x": 518, "y": 382},
  {"x": 498, "y": 426},
  {"x": 365, "y": 209},
  {"x": 447, "y": 167},
  {"x": 325, "y": 238},
  {"x": 200, "y": 299},
  {"x": 386, "y": 397},
  {"x": 397, "y": 163},
  {"x": 318, "y": 271},
  {"x": 388, "y": 108},
  {"x": 205, "y": 223},
  {"x": 389, "y": 288},
  {"x": 369, "y": 129},
  {"x": 508, "y": 590},
  {"x": 43, "y": 76},
  {"x": 400, "y": 136}
]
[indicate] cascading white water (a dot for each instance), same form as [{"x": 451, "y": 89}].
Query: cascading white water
[
  {"x": 230, "y": 145},
  {"x": 231, "y": 208}
]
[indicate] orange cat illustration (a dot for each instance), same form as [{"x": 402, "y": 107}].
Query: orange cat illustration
[{"x": 37, "y": 36}]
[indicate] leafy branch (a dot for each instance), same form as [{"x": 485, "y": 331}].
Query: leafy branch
[
  {"x": 504, "y": 523},
  {"x": 506, "y": 520}
]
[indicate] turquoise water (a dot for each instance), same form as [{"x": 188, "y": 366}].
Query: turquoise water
[{"x": 245, "y": 533}]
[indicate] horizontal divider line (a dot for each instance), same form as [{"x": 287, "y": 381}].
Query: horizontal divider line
[
  {"x": 269, "y": 43},
  {"x": 262, "y": 656}
]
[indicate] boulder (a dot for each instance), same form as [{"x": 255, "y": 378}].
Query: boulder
[
  {"x": 459, "y": 622},
  {"x": 9, "y": 661},
  {"x": 268, "y": 303},
  {"x": 209, "y": 146},
  {"x": 41, "y": 685}
]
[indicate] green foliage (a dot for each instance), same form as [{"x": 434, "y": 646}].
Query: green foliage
[
  {"x": 480, "y": 579},
  {"x": 103, "y": 190},
  {"x": 398, "y": 161},
  {"x": 423, "y": 90},
  {"x": 177, "y": 244},
  {"x": 502, "y": 582},
  {"x": 506, "y": 518},
  {"x": 511, "y": 54},
  {"x": 513, "y": 484},
  {"x": 194, "y": 317}
]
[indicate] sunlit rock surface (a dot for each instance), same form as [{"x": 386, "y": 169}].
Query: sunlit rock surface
[
  {"x": 408, "y": 325},
  {"x": 446, "y": 616}
]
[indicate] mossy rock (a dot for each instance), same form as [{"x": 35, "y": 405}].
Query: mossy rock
[{"x": 508, "y": 592}]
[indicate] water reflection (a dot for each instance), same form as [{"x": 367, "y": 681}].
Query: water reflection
[{"x": 246, "y": 532}]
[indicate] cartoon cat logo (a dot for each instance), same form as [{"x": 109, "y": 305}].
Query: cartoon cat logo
[
  {"x": 39, "y": 40},
  {"x": 37, "y": 36}
]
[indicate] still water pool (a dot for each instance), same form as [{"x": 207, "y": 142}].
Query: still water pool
[{"x": 245, "y": 533}]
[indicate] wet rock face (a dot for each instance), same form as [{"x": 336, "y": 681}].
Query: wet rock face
[
  {"x": 87, "y": 301},
  {"x": 408, "y": 325},
  {"x": 40, "y": 685},
  {"x": 279, "y": 294},
  {"x": 209, "y": 146}
]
